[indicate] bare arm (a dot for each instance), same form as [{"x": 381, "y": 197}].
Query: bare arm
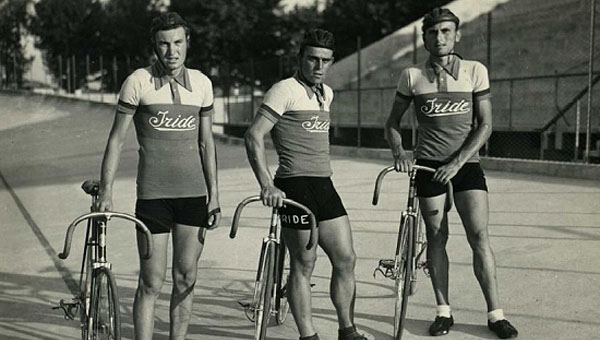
[
  {"x": 255, "y": 149},
  {"x": 482, "y": 109},
  {"x": 110, "y": 162},
  {"x": 392, "y": 134},
  {"x": 208, "y": 155}
]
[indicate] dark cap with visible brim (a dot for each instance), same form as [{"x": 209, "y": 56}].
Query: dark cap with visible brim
[
  {"x": 167, "y": 21},
  {"x": 438, "y": 15}
]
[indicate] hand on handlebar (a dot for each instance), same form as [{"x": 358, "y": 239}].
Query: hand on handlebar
[
  {"x": 446, "y": 172},
  {"x": 403, "y": 163},
  {"x": 272, "y": 196},
  {"x": 103, "y": 202},
  {"x": 214, "y": 214}
]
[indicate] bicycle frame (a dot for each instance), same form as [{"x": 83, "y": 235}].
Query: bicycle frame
[
  {"x": 410, "y": 246},
  {"x": 270, "y": 267},
  {"x": 96, "y": 275}
]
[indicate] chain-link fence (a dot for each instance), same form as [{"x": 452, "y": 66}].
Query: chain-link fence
[{"x": 538, "y": 55}]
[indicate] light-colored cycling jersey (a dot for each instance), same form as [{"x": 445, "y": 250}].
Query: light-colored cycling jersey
[
  {"x": 166, "y": 113},
  {"x": 443, "y": 99},
  {"x": 301, "y": 131}
]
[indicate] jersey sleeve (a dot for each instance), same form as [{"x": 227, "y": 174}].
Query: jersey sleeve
[
  {"x": 129, "y": 96},
  {"x": 275, "y": 103},
  {"x": 481, "y": 82},
  {"x": 404, "y": 88},
  {"x": 207, "y": 108}
]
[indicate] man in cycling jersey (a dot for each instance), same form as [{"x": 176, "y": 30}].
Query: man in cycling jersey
[
  {"x": 171, "y": 107},
  {"x": 454, "y": 112},
  {"x": 296, "y": 113}
]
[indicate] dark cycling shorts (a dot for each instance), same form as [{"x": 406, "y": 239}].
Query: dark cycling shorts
[
  {"x": 469, "y": 177},
  {"x": 316, "y": 193},
  {"x": 160, "y": 215}
]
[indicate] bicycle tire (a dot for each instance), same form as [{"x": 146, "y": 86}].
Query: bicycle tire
[
  {"x": 104, "y": 318},
  {"x": 282, "y": 306},
  {"x": 85, "y": 284},
  {"x": 265, "y": 292},
  {"x": 404, "y": 254},
  {"x": 420, "y": 249}
]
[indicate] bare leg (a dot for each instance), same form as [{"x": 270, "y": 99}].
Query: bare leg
[
  {"x": 436, "y": 222},
  {"x": 472, "y": 206},
  {"x": 335, "y": 237},
  {"x": 150, "y": 281},
  {"x": 302, "y": 263},
  {"x": 188, "y": 243}
]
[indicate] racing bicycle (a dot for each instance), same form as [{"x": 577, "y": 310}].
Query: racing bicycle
[
  {"x": 410, "y": 246},
  {"x": 97, "y": 302},
  {"x": 273, "y": 269}
]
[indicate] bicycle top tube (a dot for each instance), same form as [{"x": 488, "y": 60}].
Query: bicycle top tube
[
  {"x": 256, "y": 198},
  {"x": 107, "y": 215},
  {"x": 415, "y": 167}
]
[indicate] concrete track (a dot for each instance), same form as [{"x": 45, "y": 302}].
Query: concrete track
[{"x": 545, "y": 232}]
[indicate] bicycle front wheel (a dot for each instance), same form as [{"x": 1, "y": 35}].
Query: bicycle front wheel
[
  {"x": 104, "y": 322},
  {"x": 403, "y": 266},
  {"x": 283, "y": 273},
  {"x": 264, "y": 284}
]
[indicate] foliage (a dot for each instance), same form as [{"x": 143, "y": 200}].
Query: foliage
[
  {"x": 13, "y": 29},
  {"x": 233, "y": 41},
  {"x": 371, "y": 20},
  {"x": 71, "y": 31}
]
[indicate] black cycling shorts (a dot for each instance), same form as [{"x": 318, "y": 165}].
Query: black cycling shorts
[
  {"x": 469, "y": 177},
  {"x": 160, "y": 215},
  {"x": 316, "y": 193}
]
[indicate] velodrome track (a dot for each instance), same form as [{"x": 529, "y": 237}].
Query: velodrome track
[{"x": 545, "y": 232}]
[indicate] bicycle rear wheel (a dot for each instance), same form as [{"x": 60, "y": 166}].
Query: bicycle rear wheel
[
  {"x": 264, "y": 284},
  {"x": 404, "y": 254},
  {"x": 283, "y": 273},
  {"x": 104, "y": 322}
]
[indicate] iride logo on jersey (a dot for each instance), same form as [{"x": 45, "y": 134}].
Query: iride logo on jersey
[
  {"x": 316, "y": 125},
  {"x": 163, "y": 123},
  {"x": 435, "y": 107}
]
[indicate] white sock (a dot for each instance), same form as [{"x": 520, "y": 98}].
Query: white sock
[
  {"x": 443, "y": 310},
  {"x": 496, "y": 315}
]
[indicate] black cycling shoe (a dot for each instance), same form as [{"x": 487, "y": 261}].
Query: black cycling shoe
[
  {"x": 350, "y": 333},
  {"x": 441, "y": 325},
  {"x": 503, "y": 329}
]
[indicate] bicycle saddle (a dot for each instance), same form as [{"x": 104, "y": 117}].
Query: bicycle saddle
[{"x": 91, "y": 187}]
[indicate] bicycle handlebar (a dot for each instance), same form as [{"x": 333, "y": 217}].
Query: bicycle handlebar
[
  {"x": 238, "y": 211},
  {"x": 415, "y": 167},
  {"x": 107, "y": 215}
]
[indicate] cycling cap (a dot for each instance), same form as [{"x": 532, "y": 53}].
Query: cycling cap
[
  {"x": 438, "y": 15},
  {"x": 318, "y": 38},
  {"x": 167, "y": 21}
]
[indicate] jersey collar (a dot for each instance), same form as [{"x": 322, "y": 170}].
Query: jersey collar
[
  {"x": 434, "y": 69},
  {"x": 311, "y": 90},
  {"x": 161, "y": 78}
]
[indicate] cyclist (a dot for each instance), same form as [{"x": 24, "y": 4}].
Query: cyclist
[
  {"x": 454, "y": 112},
  {"x": 296, "y": 113},
  {"x": 171, "y": 107}
]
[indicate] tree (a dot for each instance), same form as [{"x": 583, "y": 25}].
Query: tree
[
  {"x": 69, "y": 31},
  {"x": 67, "y": 28},
  {"x": 371, "y": 20},
  {"x": 14, "y": 21}
]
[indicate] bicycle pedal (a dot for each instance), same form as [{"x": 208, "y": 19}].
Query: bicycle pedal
[{"x": 387, "y": 263}]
